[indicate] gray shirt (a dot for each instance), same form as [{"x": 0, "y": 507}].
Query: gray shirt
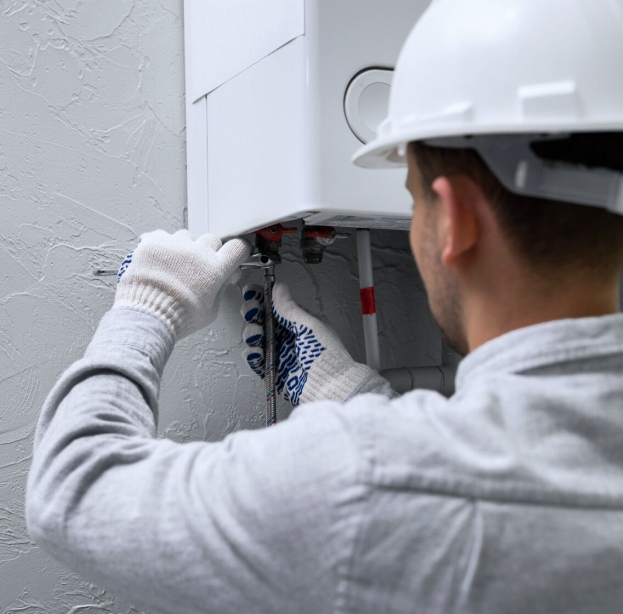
[{"x": 506, "y": 498}]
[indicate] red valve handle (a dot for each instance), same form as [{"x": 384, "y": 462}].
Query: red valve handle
[
  {"x": 319, "y": 232},
  {"x": 275, "y": 232}
]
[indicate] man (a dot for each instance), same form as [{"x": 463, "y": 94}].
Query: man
[{"x": 508, "y": 497}]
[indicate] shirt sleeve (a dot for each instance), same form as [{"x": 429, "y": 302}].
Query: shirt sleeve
[
  {"x": 375, "y": 384},
  {"x": 263, "y": 521}
]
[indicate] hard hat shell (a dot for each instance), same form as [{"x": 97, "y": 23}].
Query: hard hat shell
[{"x": 504, "y": 67}]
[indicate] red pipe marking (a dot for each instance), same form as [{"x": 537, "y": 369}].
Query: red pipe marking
[{"x": 368, "y": 302}]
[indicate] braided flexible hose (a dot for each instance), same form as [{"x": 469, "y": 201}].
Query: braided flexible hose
[{"x": 269, "y": 347}]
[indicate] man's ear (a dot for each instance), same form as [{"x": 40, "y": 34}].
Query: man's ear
[{"x": 457, "y": 221}]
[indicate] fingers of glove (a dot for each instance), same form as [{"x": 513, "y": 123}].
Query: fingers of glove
[
  {"x": 155, "y": 236},
  {"x": 286, "y": 311},
  {"x": 158, "y": 246},
  {"x": 144, "y": 238},
  {"x": 233, "y": 254},
  {"x": 234, "y": 278},
  {"x": 253, "y": 307},
  {"x": 253, "y": 292},
  {"x": 183, "y": 235},
  {"x": 254, "y": 357},
  {"x": 313, "y": 335},
  {"x": 253, "y": 335},
  {"x": 211, "y": 242}
]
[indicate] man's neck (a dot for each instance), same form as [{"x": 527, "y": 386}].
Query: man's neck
[{"x": 488, "y": 317}]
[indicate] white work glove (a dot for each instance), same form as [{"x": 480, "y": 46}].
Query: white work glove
[
  {"x": 312, "y": 363},
  {"x": 177, "y": 278}
]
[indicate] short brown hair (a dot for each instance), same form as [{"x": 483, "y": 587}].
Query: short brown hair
[{"x": 548, "y": 235}]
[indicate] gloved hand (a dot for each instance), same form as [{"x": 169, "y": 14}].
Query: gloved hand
[
  {"x": 177, "y": 278},
  {"x": 312, "y": 363}
]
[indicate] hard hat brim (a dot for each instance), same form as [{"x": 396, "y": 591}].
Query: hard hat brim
[
  {"x": 386, "y": 152},
  {"x": 381, "y": 153}
]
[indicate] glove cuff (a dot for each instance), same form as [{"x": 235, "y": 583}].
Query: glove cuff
[
  {"x": 334, "y": 378},
  {"x": 153, "y": 300}
]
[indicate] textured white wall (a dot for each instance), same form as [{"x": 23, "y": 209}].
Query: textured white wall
[{"x": 92, "y": 153}]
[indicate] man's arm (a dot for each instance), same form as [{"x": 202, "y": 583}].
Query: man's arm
[{"x": 256, "y": 523}]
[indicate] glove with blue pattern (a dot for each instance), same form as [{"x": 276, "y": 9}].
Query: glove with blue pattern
[
  {"x": 177, "y": 278},
  {"x": 312, "y": 363}
]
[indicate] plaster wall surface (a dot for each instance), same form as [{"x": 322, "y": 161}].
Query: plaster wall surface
[{"x": 92, "y": 154}]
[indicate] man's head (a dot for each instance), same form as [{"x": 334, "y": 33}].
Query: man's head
[
  {"x": 477, "y": 76},
  {"x": 472, "y": 238}
]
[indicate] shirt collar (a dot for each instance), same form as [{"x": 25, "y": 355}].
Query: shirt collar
[{"x": 544, "y": 344}]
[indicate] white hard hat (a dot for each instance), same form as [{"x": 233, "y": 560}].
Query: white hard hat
[{"x": 497, "y": 75}]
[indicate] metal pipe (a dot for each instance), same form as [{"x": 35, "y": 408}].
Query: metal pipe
[
  {"x": 368, "y": 302},
  {"x": 269, "y": 347},
  {"x": 261, "y": 261}
]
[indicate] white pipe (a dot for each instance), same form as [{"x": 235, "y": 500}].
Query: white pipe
[
  {"x": 441, "y": 379},
  {"x": 368, "y": 304}
]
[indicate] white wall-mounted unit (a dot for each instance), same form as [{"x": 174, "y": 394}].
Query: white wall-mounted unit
[{"x": 279, "y": 95}]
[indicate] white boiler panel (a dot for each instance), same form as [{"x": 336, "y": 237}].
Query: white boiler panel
[{"x": 279, "y": 96}]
